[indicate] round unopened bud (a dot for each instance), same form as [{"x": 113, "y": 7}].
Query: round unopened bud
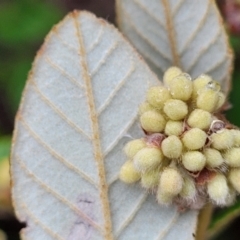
[
  {"x": 236, "y": 136},
  {"x": 132, "y": 147},
  {"x": 223, "y": 139},
  {"x": 217, "y": 189},
  {"x": 189, "y": 188},
  {"x": 199, "y": 119},
  {"x": 157, "y": 96},
  {"x": 172, "y": 147},
  {"x": 193, "y": 161},
  {"x": 163, "y": 198},
  {"x": 171, "y": 182},
  {"x": 213, "y": 157},
  {"x": 175, "y": 109},
  {"x": 148, "y": 159},
  {"x": 180, "y": 87},
  {"x": 152, "y": 121},
  {"x": 199, "y": 83},
  {"x": 194, "y": 139},
  {"x": 214, "y": 85},
  {"x": 150, "y": 179},
  {"x": 207, "y": 99},
  {"x": 128, "y": 173},
  {"x": 232, "y": 157},
  {"x": 174, "y": 128},
  {"x": 144, "y": 107},
  {"x": 170, "y": 74},
  {"x": 221, "y": 100},
  {"x": 234, "y": 178}
]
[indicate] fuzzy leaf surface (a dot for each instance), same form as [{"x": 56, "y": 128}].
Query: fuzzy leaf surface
[
  {"x": 184, "y": 33},
  {"x": 78, "y": 109}
]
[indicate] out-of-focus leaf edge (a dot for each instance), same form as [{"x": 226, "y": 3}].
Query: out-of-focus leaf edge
[
  {"x": 5, "y": 144},
  {"x": 2, "y": 235},
  {"x": 222, "y": 219},
  {"x": 230, "y": 50},
  {"x": 204, "y": 218}
]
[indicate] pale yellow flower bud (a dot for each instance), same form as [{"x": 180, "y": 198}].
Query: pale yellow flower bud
[
  {"x": 128, "y": 173},
  {"x": 188, "y": 156},
  {"x": 221, "y": 100},
  {"x": 148, "y": 159},
  {"x": 214, "y": 85},
  {"x": 189, "y": 189},
  {"x": 194, "y": 139},
  {"x": 232, "y": 157},
  {"x": 199, "y": 83},
  {"x": 193, "y": 161},
  {"x": 150, "y": 179},
  {"x": 157, "y": 96},
  {"x": 174, "y": 128},
  {"x": 175, "y": 109},
  {"x": 236, "y": 136},
  {"x": 181, "y": 87},
  {"x": 171, "y": 182},
  {"x": 223, "y": 139},
  {"x": 172, "y": 147},
  {"x": 132, "y": 147},
  {"x": 145, "y": 107},
  {"x": 213, "y": 157},
  {"x": 199, "y": 119},
  {"x": 217, "y": 189},
  {"x": 170, "y": 74},
  {"x": 163, "y": 198},
  {"x": 152, "y": 121},
  {"x": 234, "y": 178},
  {"x": 207, "y": 99}
]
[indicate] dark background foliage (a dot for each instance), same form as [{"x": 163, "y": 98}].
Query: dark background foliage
[{"x": 23, "y": 26}]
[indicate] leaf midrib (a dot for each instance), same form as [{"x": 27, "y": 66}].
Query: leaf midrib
[
  {"x": 98, "y": 154},
  {"x": 171, "y": 33}
]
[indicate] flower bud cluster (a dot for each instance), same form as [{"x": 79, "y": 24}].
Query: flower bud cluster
[{"x": 190, "y": 154}]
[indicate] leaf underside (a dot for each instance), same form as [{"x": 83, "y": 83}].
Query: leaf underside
[
  {"x": 78, "y": 109},
  {"x": 184, "y": 33}
]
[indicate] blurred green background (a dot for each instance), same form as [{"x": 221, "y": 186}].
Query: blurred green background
[{"x": 23, "y": 26}]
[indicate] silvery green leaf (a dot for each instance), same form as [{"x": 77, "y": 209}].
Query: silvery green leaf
[
  {"x": 184, "y": 33},
  {"x": 77, "y": 112}
]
